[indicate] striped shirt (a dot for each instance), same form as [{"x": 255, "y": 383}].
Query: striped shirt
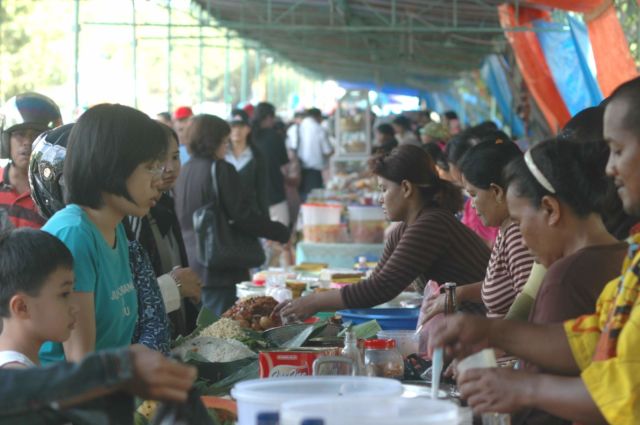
[
  {"x": 17, "y": 209},
  {"x": 435, "y": 247},
  {"x": 508, "y": 271}
]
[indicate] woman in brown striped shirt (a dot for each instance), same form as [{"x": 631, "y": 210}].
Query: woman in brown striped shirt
[
  {"x": 511, "y": 261},
  {"x": 430, "y": 243}
]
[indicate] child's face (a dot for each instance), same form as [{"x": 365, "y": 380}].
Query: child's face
[{"x": 53, "y": 312}]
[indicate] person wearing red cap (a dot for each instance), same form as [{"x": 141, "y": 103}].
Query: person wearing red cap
[{"x": 181, "y": 118}]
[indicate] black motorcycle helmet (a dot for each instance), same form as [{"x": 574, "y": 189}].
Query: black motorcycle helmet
[
  {"x": 26, "y": 110},
  {"x": 45, "y": 170}
]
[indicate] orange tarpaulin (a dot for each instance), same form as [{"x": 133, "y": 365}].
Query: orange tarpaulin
[
  {"x": 584, "y": 6},
  {"x": 614, "y": 63},
  {"x": 533, "y": 65},
  {"x": 611, "y": 51}
]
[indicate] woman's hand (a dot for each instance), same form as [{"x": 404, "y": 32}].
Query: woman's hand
[
  {"x": 297, "y": 310},
  {"x": 500, "y": 390},
  {"x": 461, "y": 334},
  {"x": 191, "y": 285},
  {"x": 433, "y": 306},
  {"x": 159, "y": 378}
]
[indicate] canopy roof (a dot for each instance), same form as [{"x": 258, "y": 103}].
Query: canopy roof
[{"x": 408, "y": 43}]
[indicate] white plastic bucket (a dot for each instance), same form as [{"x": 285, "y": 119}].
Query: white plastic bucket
[
  {"x": 366, "y": 223},
  {"x": 321, "y": 223},
  {"x": 366, "y": 213},
  {"x": 370, "y": 411},
  {"x": 267, "y": 395},
  {"x": 318, "y": 214}
]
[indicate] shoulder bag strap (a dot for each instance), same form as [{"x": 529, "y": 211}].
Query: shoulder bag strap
[{"x": 214, "y": 180}]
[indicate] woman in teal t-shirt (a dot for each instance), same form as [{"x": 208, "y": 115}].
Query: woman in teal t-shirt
[{"x": 112, "y": 169}]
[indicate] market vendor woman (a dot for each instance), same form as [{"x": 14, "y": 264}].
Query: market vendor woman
[{"x": 429, "y": 244}]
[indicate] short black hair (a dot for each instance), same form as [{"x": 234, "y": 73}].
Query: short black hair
[
  {"x": 205, "y": 134},
  {"x": 575, "y": 170},
  {"x": 629, "y": 92},
  {"x": 436, "y": 153},
  {"x": 27, "y": 258},
  {"x": 314, "y": 113},
  {"x": 105, "y": 146},
  {"x": 585, "y": 126},
  {"x": 458, "y": 145},
  {"x": 484, "y": 163},
  {"x": 164, "y": 115},
  {"x": 386, "y": 129},
  {"x": 403, "y": 122},
  {"x": 263, "y": 110},
  {"x": 451, "y": 115}
]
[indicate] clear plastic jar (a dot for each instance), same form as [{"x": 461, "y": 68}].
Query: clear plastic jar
[{"x": 382, "y": 358}]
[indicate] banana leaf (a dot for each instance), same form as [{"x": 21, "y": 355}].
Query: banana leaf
[
  {"x": 223, "y": 386},
  {"x": 205, "y": 319}
]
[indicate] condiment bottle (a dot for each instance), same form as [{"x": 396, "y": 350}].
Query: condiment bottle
[
  {"x": 351, "y": 351},
  {"x": 450, "y": 302},
  {"x": 382, "y": 358}
]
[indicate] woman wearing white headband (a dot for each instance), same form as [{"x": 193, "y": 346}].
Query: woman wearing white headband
[{"x": 556, "y": 193}]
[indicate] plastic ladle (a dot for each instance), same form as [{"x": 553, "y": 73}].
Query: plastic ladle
[{"x": 436, "y": 371}]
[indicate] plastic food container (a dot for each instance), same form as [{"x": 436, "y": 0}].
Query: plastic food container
[
  {"x": 370, "y": 411},
  {"x": 267, "y": 395},
  {"x": 387, "y": 318},
  {"x": 406, "y": 340},
  {"x": 321, "y": 222},
  {"x": 366, "y": 223},
  {"x": 382, "y": 359}
]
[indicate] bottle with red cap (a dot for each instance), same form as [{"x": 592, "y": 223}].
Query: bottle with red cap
[{"x": 382, "y": 358}]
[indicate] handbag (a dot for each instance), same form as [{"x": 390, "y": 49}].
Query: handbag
[{"x": 219, "y": 244}]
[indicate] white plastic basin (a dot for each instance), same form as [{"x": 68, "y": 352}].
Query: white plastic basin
[
  {"x": 370, "y": 411},
  {"x": 267, "y": 395}
]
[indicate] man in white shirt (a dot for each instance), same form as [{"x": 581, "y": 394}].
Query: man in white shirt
[{"x": 313, "y": 148}]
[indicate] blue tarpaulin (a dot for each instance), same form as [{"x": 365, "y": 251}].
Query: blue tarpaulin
[
  {"x": 561, "y": 53},
  {"x": 580, "y": 36},
  {"x": 493, "y": 73}
]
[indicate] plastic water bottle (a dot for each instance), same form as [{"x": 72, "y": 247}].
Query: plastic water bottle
[
  {"x": 362, "y": 265},
  {"x": 268, "y": 418},
  {"x": 351, "y": 350}
]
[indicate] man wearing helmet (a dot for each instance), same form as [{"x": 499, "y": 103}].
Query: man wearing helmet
[{"x": 23, "y": 118}]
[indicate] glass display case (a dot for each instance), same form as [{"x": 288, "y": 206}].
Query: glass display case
[{"x": 353, "y": 132}]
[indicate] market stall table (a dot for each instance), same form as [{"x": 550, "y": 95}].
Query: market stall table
[{"x": 336, "y": 255}]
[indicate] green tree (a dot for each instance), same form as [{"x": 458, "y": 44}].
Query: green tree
[{"x": 20, "y": 44}]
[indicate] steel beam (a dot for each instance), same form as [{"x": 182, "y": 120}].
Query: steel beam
[
  {"x": 169, "y": 56},
  {"x": 134, "y": 46},
  {"x": 291, "y": 9},
  {"x": 295, "y": 28},
  {"x": 76, "y": 54}
]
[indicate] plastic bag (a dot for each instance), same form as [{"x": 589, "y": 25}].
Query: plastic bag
[
  {"x": 431, "y": 288},
  {"x": 191, "y": 412}
]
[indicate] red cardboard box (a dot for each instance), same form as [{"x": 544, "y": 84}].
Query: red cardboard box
[{"x": 292, "y": 362}]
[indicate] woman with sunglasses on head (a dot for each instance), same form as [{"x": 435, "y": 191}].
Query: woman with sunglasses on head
[
  {"x": 428, "y": 244},
  {"x": 112, "y": 169}
]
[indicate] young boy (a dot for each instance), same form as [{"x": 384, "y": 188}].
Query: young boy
[{"x": 36, "y": 287}]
